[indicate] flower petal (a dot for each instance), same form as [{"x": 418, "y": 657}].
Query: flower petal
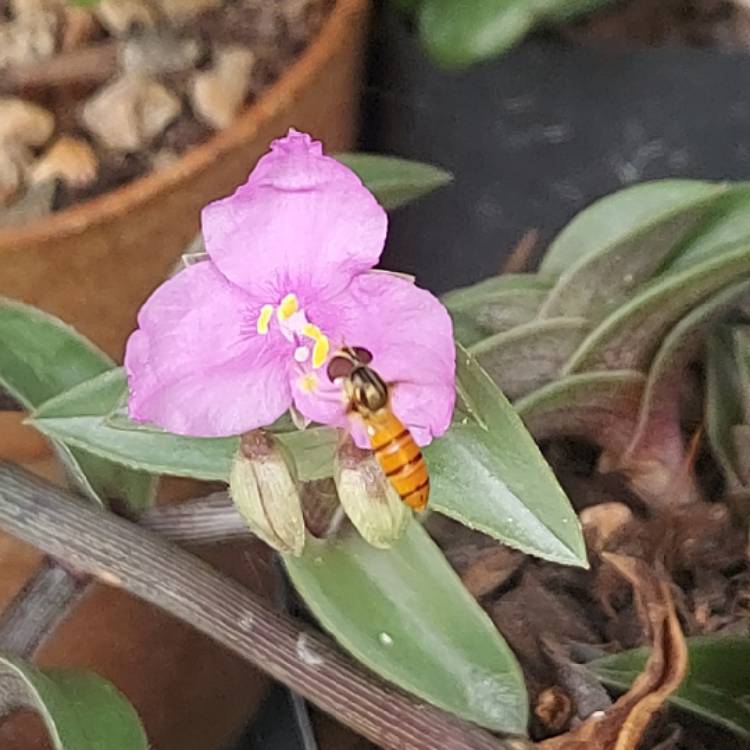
[
  {"x": 410, "y": 335},
  {"x": 324, "y": 405},
  {"x": 196, "y": 365},
  {"x": 303, "y": 223}
]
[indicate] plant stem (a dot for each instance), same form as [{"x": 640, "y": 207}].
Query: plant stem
[
  {"x": 203, "y": 521},
  {"x": 121, "y": 554},
  {"x": 37, "y": 609}
]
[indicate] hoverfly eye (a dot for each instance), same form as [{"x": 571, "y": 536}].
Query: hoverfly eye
[
  {"x": 362, "y": 354},
  {"x": 339, "y": 367}
]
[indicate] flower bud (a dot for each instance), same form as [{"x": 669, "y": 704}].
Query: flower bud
[
  {"x": 368, "y": 498},
  {"x": 265, "y": 493}
]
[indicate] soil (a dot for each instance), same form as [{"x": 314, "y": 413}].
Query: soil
[
  {"x": 264, "y": 37},
  {"x": 555, "y": 617}
]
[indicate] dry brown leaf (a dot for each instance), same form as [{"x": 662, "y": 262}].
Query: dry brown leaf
[
  {"x": 622, "y": 726},
  {"x": 490, "y": 569},
  {"x": 554, "y": 708},
  {"x": 581, "y": 684},
  {"x": 519, "y": 259},
  {"x": 604, "y": 523}
]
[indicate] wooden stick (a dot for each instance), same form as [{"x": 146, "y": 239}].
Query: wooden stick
[
  {"x": 121, "y": 554},
  {"x": 206, "y": 520}
]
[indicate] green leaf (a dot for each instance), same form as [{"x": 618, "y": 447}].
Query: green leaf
[
  {"x": 487, "y": 473},
  {"x": 474, "y": 296},
  {"x": 395, "y": 182},
  {"x": 80, "y": 417},
  {"x": 312, "y": 451},
  {"x": 613, "y": 218},
  {"x": 42, "y": 357},
  {"x": 717, "y": 687},
  {"x": 495, "y": 305},
  {"x": 404, "y": 613},
  {"x": 557, "y": 11},
  {"x": 528, "y": 356},
  {"x": 741, "y": 446},
  {"x": 600, "y": 407},
  {"x": 726, "y": 223},
  {"x": 80, "y": 710},
  {"x": 460, "y": 34},
  {"x": 724, "y": 404},
  {"x": 741, "y": 335},
  {"x": 682, "y": 345},
  {"x": 87, "y": 417},
  {"x": 629, "y": 337},
  {"x": 600, "y": 280},
  {"x": 406, "y": 6}
]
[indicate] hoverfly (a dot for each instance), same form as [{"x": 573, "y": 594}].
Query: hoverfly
[{"x": 368, "y": 396}]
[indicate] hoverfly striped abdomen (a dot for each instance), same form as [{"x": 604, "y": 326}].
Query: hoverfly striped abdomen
[{"x": 368, "y": 396}]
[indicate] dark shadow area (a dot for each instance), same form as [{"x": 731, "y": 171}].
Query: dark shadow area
[{"x": 538, "y": 134}]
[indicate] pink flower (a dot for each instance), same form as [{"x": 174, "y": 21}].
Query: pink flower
[{"x": 227, "y": 345}]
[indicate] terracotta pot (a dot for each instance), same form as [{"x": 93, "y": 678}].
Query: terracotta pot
[
  {"x": 94, "y": 264},
  {"x": 19, "y": 442}
]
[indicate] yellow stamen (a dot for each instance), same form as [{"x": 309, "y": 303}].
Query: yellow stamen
[
  {"x": 320, "y": 351},
  {"x": 264, "y": 319},
  {"x": 311, "y": 331},
  {"x": 289, "y": 305},
  {"x": 309, "y": 382}
]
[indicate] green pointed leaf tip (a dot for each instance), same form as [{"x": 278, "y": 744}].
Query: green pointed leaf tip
[
  {"x": 487, "y": 473},
  {"x": 395, "y": 182},
  {"x": 41, "y": 357},
  {"x": 404, "y": 613},
  {"x": 716, "y": 688},
  {"x": 81, "y": 711}
]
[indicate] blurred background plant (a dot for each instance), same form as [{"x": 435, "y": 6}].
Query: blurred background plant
[{"x": 457, "y": 34}]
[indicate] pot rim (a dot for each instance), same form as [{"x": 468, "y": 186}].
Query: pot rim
[{"x": 76, "y": 219}]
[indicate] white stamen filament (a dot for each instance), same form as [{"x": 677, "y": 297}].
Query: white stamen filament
[{"x": 294, "y": 325}]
